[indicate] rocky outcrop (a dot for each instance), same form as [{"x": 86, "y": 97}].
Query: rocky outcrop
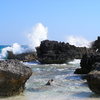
[
  {"x": 26, "y": 57},
  {"x": 13, "y": 76},
  {"x": 93, "y": 79},
  {"x": 96, "y": 45},
  {"x": 90, "y": 66},
  {"x": 89, "y": 59},
  {"x": 50, "y": 52},
  {"x": 86, "y": 63}
]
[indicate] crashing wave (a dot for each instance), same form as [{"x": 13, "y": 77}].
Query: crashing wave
[{"x": 78, "y": 41}]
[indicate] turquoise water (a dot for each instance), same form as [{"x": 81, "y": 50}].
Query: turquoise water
[
  {"x": 17, "y": 49},
  {"x": 3, "y": 46}
]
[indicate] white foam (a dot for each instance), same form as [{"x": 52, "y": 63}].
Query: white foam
[
  {"x": 15, "y": 48},
  {"x": 75, "y": 61},
  {"x": 78, "y": 41},
  {"x": 39, "y": 33},
  {"x": 31, "y": 63}
]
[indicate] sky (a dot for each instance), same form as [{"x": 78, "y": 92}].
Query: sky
[{"x": 62, "y": 17}]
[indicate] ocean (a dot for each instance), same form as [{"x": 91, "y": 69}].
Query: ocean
[
  {"x": 3, "y": 46},
  {"x": 66, "y": 84}
]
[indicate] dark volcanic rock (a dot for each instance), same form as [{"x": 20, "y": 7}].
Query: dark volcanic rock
[
  {"x": 13, "y": 76},
  {"x": 87, "y": 62},
  {"x": 51, "y": 52},
  {"x": 93, "y": 79},
  {"x": 96, "y": 44},
  {"x": 26, "y": 57},
  {"x": 90, "y": 58}
]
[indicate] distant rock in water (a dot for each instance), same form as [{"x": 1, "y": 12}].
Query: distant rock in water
[
  {"x": 54, "y": 52},
  {"x": 26, "y": 57},
  {"x": 13, "y": 76}
]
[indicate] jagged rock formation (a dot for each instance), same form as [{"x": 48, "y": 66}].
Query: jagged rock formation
[
  {"x": 96, "y": 45},
  {"x": 50, "y": 52},
  {"x": 13, "y": 76},
  {"x": 86, "y": 63},
  {"x": 26, "y": 57},
  {"x": 89, "y": 59},
  {"x": 90, "y": 65}
]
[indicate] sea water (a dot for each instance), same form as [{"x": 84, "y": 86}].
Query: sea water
[{"x": 66, "y": 84}]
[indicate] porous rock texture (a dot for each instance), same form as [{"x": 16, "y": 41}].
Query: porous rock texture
[{"x": 13, "y": 76}]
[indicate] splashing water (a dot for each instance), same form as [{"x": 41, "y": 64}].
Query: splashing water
[
  {"x": 15, "y": 48},
  {"x": 75, "y": 61},
  {"x": 78, "y": 41},
  {"x": 39, "y": 33}
]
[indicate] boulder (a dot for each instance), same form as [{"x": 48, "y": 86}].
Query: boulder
[
  {"x": 93, "y": 79},
  {"x": 13, "y": 76},
  {"x": 90, "y": 58},
  {"x": 26, "y": 57},
  {"x": 87, "y": 62},
  {"x": 51, "y": 52}
]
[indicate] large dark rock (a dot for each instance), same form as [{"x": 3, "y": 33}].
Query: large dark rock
[
  {"x": 86, "y": 63},
  {"x": 26, "y": 57},
  {"x": 50, "y": 52},
  {"x": 96, "y": 45},
  {"x": 89, "y": 59},
  {"x": 13, "y": 76},
  {"x": 93, "y": 79}
]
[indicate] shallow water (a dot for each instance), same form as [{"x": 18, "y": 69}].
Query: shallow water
[{"x": 66, "y": 85}]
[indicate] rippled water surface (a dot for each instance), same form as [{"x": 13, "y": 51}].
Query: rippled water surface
[{"x": 66, "y": 85}]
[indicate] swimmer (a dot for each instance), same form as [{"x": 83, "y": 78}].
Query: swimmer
[{"x": 49, "y": 82}]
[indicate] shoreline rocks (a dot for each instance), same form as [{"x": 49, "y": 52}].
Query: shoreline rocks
[
  {"x": 54, "y": 52},
  {"x": 90, "y": 58},
  {"x": 13, "y": 76},
  {"x": 25, "y": 57},
  {"x": 93, "y": 79},
  {"x": 86, "y": 63},
  {"x": 90, "y": 65}
]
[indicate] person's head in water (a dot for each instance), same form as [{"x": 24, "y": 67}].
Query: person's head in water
[{"x": 49, "y": 82}]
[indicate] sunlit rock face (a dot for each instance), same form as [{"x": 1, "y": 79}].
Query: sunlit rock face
[{"x": 13, "y": 76}]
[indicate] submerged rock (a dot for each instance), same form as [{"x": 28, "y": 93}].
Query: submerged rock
[
  {"x": 13, "y": 76},
  {"x": 51, "y": 52},
  {"x": 26, "y": 57}
]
